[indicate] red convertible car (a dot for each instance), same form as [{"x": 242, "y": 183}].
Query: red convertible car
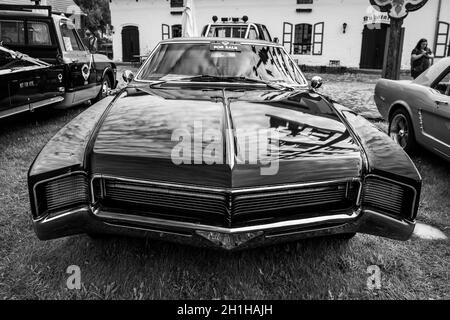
[{"x": 221, "y": 142}]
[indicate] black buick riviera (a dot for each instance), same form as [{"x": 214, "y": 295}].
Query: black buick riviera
[{"x": 222, "y": 143}]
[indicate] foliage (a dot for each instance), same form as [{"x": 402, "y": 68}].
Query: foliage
[{"x": 98, "y": 13}]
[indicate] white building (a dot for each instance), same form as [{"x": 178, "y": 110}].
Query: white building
[{"x": 317, "y": 32}]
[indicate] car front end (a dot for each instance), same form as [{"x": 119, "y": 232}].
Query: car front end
[{"x": 222, "y": 161}]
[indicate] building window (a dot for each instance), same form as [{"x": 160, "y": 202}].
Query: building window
[
  {"x": 442, "y": 38},
  {"x": 12, "y": 32},
  {"x": 176, "y": 3},
  {"x": 165, "y": 31},
  {"x": 304, "y": 1},
  {"x": 176, "y": 31},
  {"x": 303, "y": 38}
]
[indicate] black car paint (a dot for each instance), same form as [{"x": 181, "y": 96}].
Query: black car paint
[
  {"x": 135, "y": 138},
  {"x": 79, "y": 145},
  {"x": 71, "y": 62},
  {"x": 41, "y": 84}
]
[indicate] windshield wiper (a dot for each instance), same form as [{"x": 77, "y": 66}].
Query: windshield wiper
[{"x": 204, "y": 78}]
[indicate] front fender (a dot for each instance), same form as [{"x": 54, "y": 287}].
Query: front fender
[
  {"x": 384, "y": 155},
  {"x": 385, "y": 158},
  {"x": 65, "y": 152}
]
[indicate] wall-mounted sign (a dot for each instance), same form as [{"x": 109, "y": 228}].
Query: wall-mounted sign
[
  {"x": 398, "y": 8},
  {"x": 374, "y": 16}
]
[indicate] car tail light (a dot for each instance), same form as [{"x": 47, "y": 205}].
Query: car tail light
[
  {"x": 389, "y": 197},
  {"x": 61, "y": 193}
]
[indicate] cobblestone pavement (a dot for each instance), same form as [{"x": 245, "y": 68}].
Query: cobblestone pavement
[{"x": 354, "y": 91}]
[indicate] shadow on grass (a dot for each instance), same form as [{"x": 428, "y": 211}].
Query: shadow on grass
[{"x": 40, "y": 117}]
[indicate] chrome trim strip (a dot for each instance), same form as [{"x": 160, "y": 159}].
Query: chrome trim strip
[
  {"x": 228, "y": 190},
  {"x": 51, "y": 179},
  {"x": 150, "y": 230},
  {"x": 435, "y": 140},
  {"x": 60, "y": 216},
  {"x": 46, "y": 102},
  {"x": 30, "y": 106},
  {"x": 195, "y": 227},
  {"x": 398, "y": 183},
  {"x": 14, "y": 111},
  {"x": 229, "y": 133}
]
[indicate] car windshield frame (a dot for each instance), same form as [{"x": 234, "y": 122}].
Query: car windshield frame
[{"x": 299, "y": 80}]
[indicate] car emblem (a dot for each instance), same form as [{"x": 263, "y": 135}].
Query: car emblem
[{"x": 86, "y": 72}]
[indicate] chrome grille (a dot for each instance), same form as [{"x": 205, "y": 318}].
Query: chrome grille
[
  {"x": 164, "y": 197},
  {"x": 66, "y": 192},
  {"x": 383, "y": 195},
  {"x": 289, "y": 199},
  {"x": 223, "y": 207}
]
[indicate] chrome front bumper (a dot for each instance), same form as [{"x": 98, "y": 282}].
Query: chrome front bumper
[{"x": 86, "y": 220}]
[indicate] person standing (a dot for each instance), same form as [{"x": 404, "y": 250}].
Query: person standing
[{"x": 421, "y": 58}]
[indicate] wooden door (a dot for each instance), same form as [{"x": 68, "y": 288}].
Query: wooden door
[{"x": 130, "y": 44}]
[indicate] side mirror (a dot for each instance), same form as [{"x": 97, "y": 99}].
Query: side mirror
[
  {"x": 316, "y": 82},
  {"x": 127, "y": 76},
  {"x": 276, "y": 40}
]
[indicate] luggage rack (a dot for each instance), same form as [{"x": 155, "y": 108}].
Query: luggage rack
[{"x": 26, "y": 8}]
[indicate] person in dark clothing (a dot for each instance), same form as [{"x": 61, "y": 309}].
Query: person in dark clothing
[{"x": 421, "y": 58}]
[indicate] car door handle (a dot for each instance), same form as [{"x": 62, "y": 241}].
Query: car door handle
[{"x": 440, "y": 102}]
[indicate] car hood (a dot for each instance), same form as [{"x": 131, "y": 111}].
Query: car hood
[{"x": 183, "y": 136}]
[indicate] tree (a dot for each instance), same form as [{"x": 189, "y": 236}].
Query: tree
[{"x": 98, "y": 14}]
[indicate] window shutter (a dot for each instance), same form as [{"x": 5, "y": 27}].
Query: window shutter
[
  {"x": 440, "y": 48},
  {"x": 165, "y": 30},
  {"x": 287, "y": 36},
  {"x": 318, "y": 39}
]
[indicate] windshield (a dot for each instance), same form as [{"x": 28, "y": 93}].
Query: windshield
[
  {"x": 431, "y": 74},
  {"x": 238, "y": 31},
  {"x": 70, "y": 37},
  {"x": 256, "y": 62}
]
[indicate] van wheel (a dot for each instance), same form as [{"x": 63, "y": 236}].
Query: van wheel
[{"x": 105, "y": 88}]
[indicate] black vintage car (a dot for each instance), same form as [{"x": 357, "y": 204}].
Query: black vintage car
[
  {"x": 35, "y": 31},
  {"x": 27, "y": 83},
  {"x": 221, "y": 142}
]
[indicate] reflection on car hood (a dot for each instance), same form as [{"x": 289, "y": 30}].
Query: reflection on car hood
[{"x": 299, "y": 131}]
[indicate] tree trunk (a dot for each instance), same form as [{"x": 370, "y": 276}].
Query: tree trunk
[{"x": 393, "y": 60}]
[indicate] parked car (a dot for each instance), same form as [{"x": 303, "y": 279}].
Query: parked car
[
  {"x": 418, "y": 111},
  {"x": 287, "y": 162},
  {"x": 236, "y": 28},
  {"x": 27, "y": 83},
  {"x": 34, "y": 31}
]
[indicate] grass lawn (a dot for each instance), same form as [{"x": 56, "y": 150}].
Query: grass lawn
[{"x": 123, "y": 268}]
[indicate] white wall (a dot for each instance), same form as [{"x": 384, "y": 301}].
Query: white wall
[{"x": 149, "y": 15}]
